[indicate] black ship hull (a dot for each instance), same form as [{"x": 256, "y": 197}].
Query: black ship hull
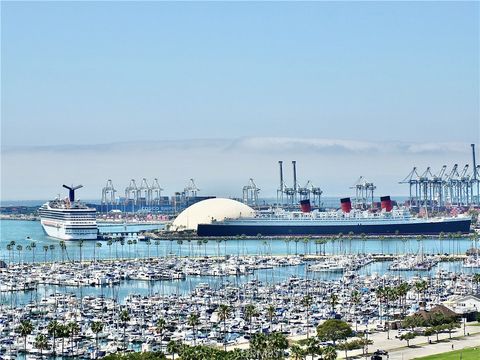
[{"x": 425, "y": 228}]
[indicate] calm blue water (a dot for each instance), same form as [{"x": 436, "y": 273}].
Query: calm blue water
[
  {"x": 16, "y": 230},
  {"x": 13, "y": 230}
]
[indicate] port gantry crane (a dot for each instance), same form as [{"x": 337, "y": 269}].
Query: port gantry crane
[
  {"x": 364, "y": 190},
  {"x": 250, "y": 193},
  {"x": 191, "y": 190},
  {"x": 412, "y": 179},
  {"x": 131, "y": 194},
  {"x": 425, "y": 182},
  {"x": 144, "y": 193},
  {"x": 108, "y": 194},
  {"x": 156, "y": 192}
]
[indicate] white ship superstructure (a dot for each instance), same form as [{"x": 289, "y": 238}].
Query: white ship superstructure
[{"x": 68, "y": 219}]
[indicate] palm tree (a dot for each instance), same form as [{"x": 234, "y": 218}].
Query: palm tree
[
  {"x": 287, "y": 242},
  {"x": 62, "y": 248},
  {"x": 11, "y": 247},
  {"x": 73, "y": 330},
  {"x": 249, "y": 313},
  {"x": 333, "y": 301},
  {"x": 26, "y": 328},
  {"x": 297, "y": 352},
  {"x": 296, "y": 245},
  {"x": 172, "y": 348},
  {"x": 19, "y": 249},
  {"x": 194, "y": 321},
  {"x": 180, "y": 243},
  {"x": 53, "y": 327},
  {"x": 122, "y": 243},
  {"x": 313, "y": 347},
  {"x": 135, "y": 250},
  {"x": 109, "y": 244},
  {"x": 33, "y": 246},
  {"x": 124, "y": 318},
  {"x": 329, "y": 353},
  {"x": 41, "y": 343},
  {"x": 307, "y": 302},
  {"x": 420, "y": 287},
  {"x": 45, "y": 249},
  {"x": 271, "y": 311},
  {"x": 161, "y": 325},
  {"x": 205, "y": 241},
  {"x": 148, "y": 242},
  {"x": 129, "y": 243},
  {"x": 28, "y": 248},
  {"x": 223, "y": 314},
  {"x": 98, "y": 245},
  {"x": 80, "y": 246},
  {"x": 97, "y": 327},
  {"x": 51, "y": 248},
  {"x": 157, "y": 244},
  {"x": 355, "y": 300},
  {"x": 63, "y": 332},
  {"x": 476, "y": 280}
]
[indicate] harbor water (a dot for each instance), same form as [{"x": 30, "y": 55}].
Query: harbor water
[{"x": 47, "y": 249}]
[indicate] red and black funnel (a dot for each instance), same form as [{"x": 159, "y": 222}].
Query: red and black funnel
[
  {"x": 386, "y": 203},
  {"x": 346, "y": 205},
  {"x": 305, "y": 205}
]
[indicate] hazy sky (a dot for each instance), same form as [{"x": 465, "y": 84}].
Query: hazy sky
[{"x": 221, "y": 91}]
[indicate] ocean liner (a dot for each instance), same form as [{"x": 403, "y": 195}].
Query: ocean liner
[
  {"x": 68, "y": 219},
  {"x": 389, "y": 221}
]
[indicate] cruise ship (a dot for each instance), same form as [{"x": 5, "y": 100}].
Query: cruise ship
[
  {"x": 389, "y": 221},
  {"x": 68, "y": 219}
]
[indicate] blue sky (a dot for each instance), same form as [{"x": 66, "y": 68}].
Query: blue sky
[{"x": 81, "y": 75}]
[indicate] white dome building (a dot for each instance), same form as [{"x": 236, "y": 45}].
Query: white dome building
[{"x": 205, "y": 211}]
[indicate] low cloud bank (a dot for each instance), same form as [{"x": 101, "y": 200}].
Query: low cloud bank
[{"x": 221, "y": 166}]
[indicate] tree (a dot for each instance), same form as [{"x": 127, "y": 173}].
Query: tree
[
  {"x": 349, "y": 345},
  {"x": 407, "y": 337},
  {"x": 413, "y": 322},
  {"x": 268, "y": 347},
  {"x": 476, "y": 280},
  {"x": 161, "y": 325},
  {"x": 329, "y": 353},
  {"x": 271, "y": 311},
  {"x": 333, "y": 301},
  {"x": 249, "y": 313},
  {"x": 297, "y": 352},
  {"x": 355, "y": 300},
  {"x": 73, "y": 330},
  {"x": 334, "y": 330},
  {"x": 80, "y": 246},
  {"x": 307, "y": 302},
  {"x": 51, "y": 248},
  {"x": 194, "y": 321},
  {"x": 33, "y": 246},
  {"x": 313, "y": 347},
  {"x": 173, "y": 348},
  {"x": 223, "y": 314},
  {"x": 63, "y": 246},
  {"x": 45, "y": 249},
  {"x": 62, "y": 333},
  {"x": 19, "y": 249},
  {"x": 52, "y": 328},
  {"x": 25, "y": 329},
  {"x": 98, "y": 245},
  {"x": 124, "y": 318},
  {"x": 41, "y": 343},
  {"x": 97, "y": 327}
]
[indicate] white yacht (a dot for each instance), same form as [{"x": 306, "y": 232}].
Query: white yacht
[{"x": 68, "y": 219}]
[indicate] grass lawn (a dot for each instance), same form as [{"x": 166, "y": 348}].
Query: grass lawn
[{"x": 465, "y": 354}]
